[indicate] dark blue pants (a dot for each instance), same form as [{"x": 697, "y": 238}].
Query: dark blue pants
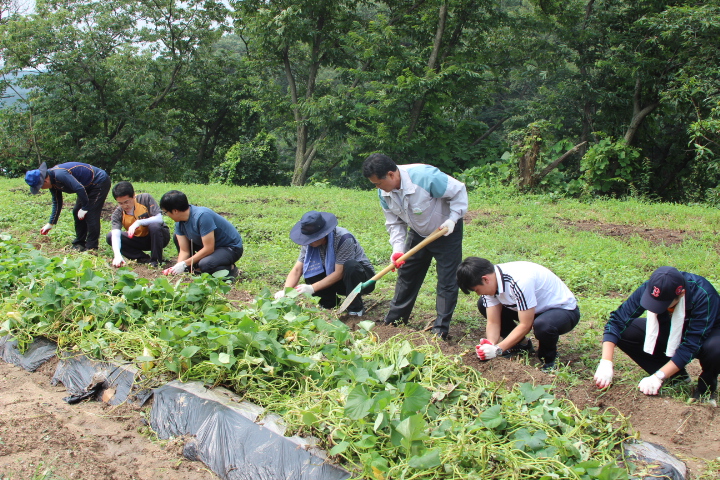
[
  {"x": 547, "y": 327},
  {"x": 87, "y": 231},
  {"x": 447, "y": 252},
  {"x": 154, "y": 242}
]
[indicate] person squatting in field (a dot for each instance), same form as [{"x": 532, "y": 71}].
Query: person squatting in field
[
  {"x": 90, "y": 184},
  {"x": 418, "y": 199},
  {"x": 331, "y": 261},
  {"x": 682, "y": 323},
  {"x": 517, "y": 297},
  {"x": 146, "y": 230},
  {"x": 206, "y": 241}
]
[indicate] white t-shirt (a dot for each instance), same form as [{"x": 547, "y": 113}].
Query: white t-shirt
[{"x": 524, "y": 285}]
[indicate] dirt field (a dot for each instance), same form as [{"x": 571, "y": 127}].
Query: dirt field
[{"x": 91, "y": 440}]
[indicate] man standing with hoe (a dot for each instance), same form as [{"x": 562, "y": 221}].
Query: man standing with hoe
[{"x": 418, "y": 199}]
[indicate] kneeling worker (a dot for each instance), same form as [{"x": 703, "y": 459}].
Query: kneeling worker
[
  {"x": 683, "y": 322},
  {"x": 146, "y": 230},
  {"x": 517, "y": 297},
  {"x": 207, "y": 242},
  {"x": 331, "y": 261}
]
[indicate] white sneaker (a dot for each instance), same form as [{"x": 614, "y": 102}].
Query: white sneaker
[{"x": 357, "y": 313}]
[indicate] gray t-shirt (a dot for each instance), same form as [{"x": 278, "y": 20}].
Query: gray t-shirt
[{"x": 346, "y": 248}]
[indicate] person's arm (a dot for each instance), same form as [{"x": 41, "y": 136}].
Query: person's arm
[
  {"x": 183, "y": 248},
  {"x": 492, "y": 328},
  {"x": 293, "y": 278},
  {"x": 526, "y": 319},
  {"x": 150, "y": 220},
  {"x": 331, "y": 279},
  {"x": 118, "y": 260},
  {"x": 57, "y": 204},
  {"x": 395, "y": 226}
]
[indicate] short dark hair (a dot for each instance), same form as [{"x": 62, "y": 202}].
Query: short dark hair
[
  {"x": 123, "y": 189},
  {"x": 471, "y": 271},
  {"x": 379, "y": 165},
  {"x": 174, "y": 200}
]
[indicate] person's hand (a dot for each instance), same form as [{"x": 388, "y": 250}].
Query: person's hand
[
  {"x": 132, "y": 228},
  {"x": 118, "y": 262},
  {"x": 305, "y": 288},
  {"x": 44, "y": 230},
  {"x": 604, "y": 373},
  {"x": 81, "y": 214},
  {"x": 486, "y": 350},
  {"x": 279, "y": 294},
  {"x": 394, "y": 257},
  {"x": 650, "y": 385},
  {"x": 175, "y": 270},
  {"x": 450, "y": 227}
]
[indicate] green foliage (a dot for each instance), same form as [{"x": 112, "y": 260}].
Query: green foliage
[
  {"x": 612, "y": 167},
  {"x": 249, "y": 163}
]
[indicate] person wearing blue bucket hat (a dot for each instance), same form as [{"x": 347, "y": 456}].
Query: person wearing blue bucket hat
[
  {"x": 90, "y": 184},
  {"x": 331, "y": 261}
]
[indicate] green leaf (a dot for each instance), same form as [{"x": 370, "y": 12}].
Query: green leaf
[
  {"x": 492, "y": 418},
  {"x": 430, "y": 460},
  {"x": 416, "y": 396},
  {"x": 358, "y": 404},
  {"x": 532, "y": 393},
  {"x": 189, "y": 351},
  {"x": 339, "y": 448},
  {"x": 366, "y": 325},
  {"x": 384, "y": 373},
  {"x": 412, "y": 429}
]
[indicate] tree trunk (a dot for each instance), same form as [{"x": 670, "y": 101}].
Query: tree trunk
[
  {"x": 639, "y": 113},
  {"x": 527, "y": 162},
  {"x": 538, "y": 178},
  {"x": 419, "y": 104}
]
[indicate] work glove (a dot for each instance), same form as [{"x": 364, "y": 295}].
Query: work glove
[
  {"x": 44, "y": 230},
  {"x": 486, "y": 350},
  {"x": 305, "y": 288},
  {"x": 604, "y": 373},
  {"x": 450, "y": 227},
  {"x": 118, "y": 262},
  {"x": 81, "y": 214},
  {"x": 650, "y": 385},
  {"x": 279, "y": 294},
  {"x": 394, "y": 257},
  {"x": 176, "y": 270},
  {"x": 132, "y": 228}
]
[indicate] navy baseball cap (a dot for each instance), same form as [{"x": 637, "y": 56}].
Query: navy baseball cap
[
  {"x": 36, "y": 178},
  {"x": 664, "y": 286}
]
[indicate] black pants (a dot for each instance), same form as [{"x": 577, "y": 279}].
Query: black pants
[
  {"x": 632, "y": 342},
  {"x": 154, "y": 242},
  {"x": 87, "y": 231},
  {"x": 354, "y": 273},
  {"x": 547, "y": 327},
  {"x": 447, "y": 252},
  {"x": 223, "y": 258}
]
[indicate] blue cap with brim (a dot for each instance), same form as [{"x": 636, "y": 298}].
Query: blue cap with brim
[
  {"x": 312, "y": 227},
  {"x": 36, "y": 178},
  {"x": 664, "y": 286}
]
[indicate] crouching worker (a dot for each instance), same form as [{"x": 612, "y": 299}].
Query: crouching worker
[
  {"x": 517, "y": 297},
  {"x": 146, "y": 230},
  {"x": 682, "y": 323},
  {"x": 206, "y": 242},
  {"x": 331, "y": 261}
]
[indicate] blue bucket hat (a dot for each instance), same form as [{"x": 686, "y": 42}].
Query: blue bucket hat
[
  {"x": 36, "y": 178},
  {"x": 312, "y": 227}
]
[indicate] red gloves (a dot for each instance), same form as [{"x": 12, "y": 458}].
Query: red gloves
[{"x": 394, "y": 258}]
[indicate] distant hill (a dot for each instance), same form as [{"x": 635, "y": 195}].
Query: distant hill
[{"x": 9, "y": 96}]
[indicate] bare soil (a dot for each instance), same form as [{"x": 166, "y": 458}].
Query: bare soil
[{"x": 93, "y": 440}]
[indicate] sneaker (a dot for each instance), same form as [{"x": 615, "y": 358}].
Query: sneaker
[
  {"x": 234, "y": 272},
  {"x": 706, "y": 390},
  {"x": 357, "y": 313},
  {"x": 78, "y": 247},
  {"x": 548, "y": 367},
  {"x": 143, "y": 260},
  {"x": 153, "y": 264},
  {"x": 440, "y": 334},
  {"x": 518, "y": 349}
]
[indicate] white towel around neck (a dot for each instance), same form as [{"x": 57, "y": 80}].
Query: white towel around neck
[{"x": 652, "y": 328}]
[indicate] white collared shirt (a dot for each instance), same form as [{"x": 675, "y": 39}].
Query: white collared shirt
[{"x": 526, "y": 285}]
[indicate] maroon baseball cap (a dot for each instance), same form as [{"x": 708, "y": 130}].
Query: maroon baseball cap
[{"x": 665, "y": 284}]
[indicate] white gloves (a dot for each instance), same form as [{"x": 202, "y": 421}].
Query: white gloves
[
  {"x": 305, "y": 288},
  {"x": 604, "y": 373},
  {"x": 279, "y": 294},
  {"x": 486, "y": 350},
  {"x": 176, "y": 270},
  {"x": 132, "y": 228},
  {"x": 650, "y": 385},
  {"x": 44, "y": 230},
  {"x": 450, "y": 227},
  {"x": 81, "y": 214},
  {"x": 118, "y": 262}
]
